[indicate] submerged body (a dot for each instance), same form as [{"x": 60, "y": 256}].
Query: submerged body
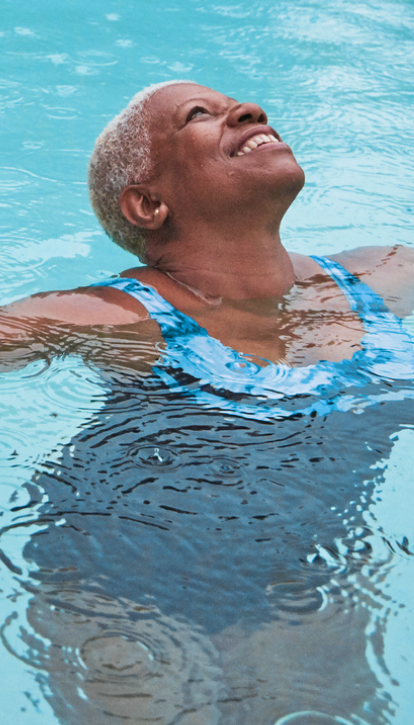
[
  {"x": 207, "y": 553},
  {"x": 199, "y": 567},
  {"x": 211, "y": 556}
]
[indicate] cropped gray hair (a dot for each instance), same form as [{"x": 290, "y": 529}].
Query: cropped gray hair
[{"x": 122, "y": 156}]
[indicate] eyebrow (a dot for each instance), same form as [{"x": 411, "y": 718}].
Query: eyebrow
[
  {"x": 191, "y": 100},
  {"x": 202, "y": 99}
]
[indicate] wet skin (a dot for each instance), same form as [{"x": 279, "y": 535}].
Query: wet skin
[{"x": 214, "y": 249}]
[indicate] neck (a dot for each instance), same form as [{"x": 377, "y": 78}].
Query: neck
[{"x": 235, "y": 265}]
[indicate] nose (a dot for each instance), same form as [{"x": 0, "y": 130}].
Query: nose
[{"x": 246, "y": 113}]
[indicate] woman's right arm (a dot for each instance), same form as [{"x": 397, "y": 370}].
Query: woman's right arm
[{"x": 38, "y": 326}]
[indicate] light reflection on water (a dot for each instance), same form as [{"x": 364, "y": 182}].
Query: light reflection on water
[{"x": 336, "y": 84}]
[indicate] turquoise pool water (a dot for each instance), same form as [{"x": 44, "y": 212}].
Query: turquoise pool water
[{"x": 337, "y": 84}]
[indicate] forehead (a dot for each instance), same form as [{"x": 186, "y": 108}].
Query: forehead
[{"x": 167, "y": 103}]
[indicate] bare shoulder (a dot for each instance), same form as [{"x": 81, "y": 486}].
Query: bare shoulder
[
  {"x": 82, "y": 307},
  {"x": 377, "y": 261},
  {"x": 88, "y": 306},
  {"x": 389, "y": 271}
]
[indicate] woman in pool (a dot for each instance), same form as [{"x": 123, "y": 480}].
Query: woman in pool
[
  {"x": 210, "y": 568},
  {"x": 196, "y": 184}
]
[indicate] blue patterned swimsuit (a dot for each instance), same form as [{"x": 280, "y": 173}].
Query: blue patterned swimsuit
[{"x": 215, "y": 376}]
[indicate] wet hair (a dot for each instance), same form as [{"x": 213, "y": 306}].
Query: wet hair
[{"x": 122, "y": 156}]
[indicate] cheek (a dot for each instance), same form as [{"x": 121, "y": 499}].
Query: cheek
[
  {"x": 192, "y": 171},
  {"x": 197, "y": 149},
  {"x": 197, "y": 173}
]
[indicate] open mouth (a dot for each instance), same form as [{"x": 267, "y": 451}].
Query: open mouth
[{"x": 256, "y": 139}]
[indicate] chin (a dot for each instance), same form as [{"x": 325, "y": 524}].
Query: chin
[
  {"x": 292, "y": 182},
  {"x": 300, "y": 179}
]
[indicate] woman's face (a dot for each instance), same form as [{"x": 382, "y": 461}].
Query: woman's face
[{"x": 209, "y": 156}]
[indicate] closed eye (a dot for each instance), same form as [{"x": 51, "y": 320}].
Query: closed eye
[{"x": 195, "y": 112}]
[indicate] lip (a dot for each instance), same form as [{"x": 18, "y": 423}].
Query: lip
[{"x": 268, "y": 130}]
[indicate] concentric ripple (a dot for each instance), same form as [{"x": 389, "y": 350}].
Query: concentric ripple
[
  {"x": 116, "y": 656},
  {"x": 112, "y": 657},
  {"x": 155, "y": 456}
]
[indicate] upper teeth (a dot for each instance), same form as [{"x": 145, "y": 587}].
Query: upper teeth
[{"x": 256, "y": 141}]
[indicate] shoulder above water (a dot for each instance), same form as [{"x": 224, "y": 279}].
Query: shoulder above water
[{"x": 389, "y": 271}]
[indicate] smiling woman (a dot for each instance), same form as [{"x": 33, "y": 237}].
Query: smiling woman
[
  {"x": 197, "y": 184},
  {"x": 215, "y": 520}
]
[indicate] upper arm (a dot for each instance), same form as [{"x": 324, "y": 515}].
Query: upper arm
[
  {"x": 32, "y": 327},
  {"x": 84, "y": 307},
  {"x": 98, "y": 323},
  {"x": 389, "y": 271}
]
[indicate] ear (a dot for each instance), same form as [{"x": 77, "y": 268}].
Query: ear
[{"x": 141, "y": 209}]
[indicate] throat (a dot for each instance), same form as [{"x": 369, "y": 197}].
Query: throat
[
  {"x": 231, "y": 264},
  {"x": 234, "y": 280}
]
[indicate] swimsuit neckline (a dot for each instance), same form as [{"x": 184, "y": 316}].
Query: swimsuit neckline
[{"x": 202, "y": 368}]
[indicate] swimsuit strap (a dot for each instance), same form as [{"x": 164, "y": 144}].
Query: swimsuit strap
[
  {"x": 386, "y": 332},
  {"x": 168, "y": 317},
  {"x": 147, "y": 295},
  {"x": 362, "y": 299}
]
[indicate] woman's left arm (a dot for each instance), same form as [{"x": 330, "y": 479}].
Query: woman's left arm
[{"x": 389, "y": 271}]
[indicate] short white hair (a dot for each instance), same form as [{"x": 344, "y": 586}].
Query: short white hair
[{"x": 121, "y": 157}]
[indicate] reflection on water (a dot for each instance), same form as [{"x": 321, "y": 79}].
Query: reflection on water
[{"x": 189, "y": 567}]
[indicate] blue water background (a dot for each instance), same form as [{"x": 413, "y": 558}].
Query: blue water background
[{"x": 336, "y": 80}]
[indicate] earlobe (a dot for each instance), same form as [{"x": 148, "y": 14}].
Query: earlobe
[
  {"x": 160, "y": 214},
  {"x": 141, "y": 209}
]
